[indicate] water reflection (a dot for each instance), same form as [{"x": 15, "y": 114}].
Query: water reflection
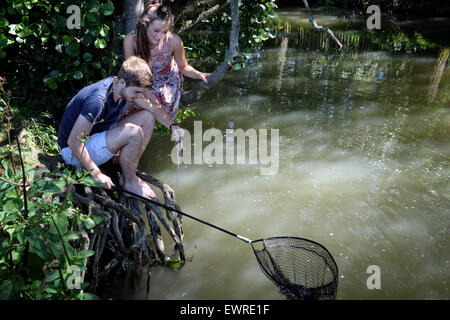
[{"x": 364, "y": 167}]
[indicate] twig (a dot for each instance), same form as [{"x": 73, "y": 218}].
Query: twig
[{"x": 13, "y": 182}]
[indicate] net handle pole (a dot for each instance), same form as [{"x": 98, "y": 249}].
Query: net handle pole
[{"x": 246, "y": 240}]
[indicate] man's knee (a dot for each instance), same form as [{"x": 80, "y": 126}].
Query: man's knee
[{"x": 133, "y": 131}]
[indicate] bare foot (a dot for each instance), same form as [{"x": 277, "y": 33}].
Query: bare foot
[{"x": 141, "y": 189}]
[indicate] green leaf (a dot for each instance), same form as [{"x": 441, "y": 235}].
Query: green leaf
[
  {"x": 13, "y": 205},
  {"x": 100, "y": 43},
  {"x": 49, "y": 188},
  {"x": 90, "y": 182},
  {"x": 37, "y": 245},
  {"x": 85, "y": 253},
  {"x": 107, "y": 9},
  {"x": 52, "y": 277},
  {"x": 174, "y": 265},
  {"x": 50, "y": 290},
  {"x": 87, "y": 221},
  {"x": 6, "y": 289},
  {"x": 86, "y": 40},
  {"x": 72, "y": 235},
  {"x": 73, "y": 49},
  {"x": 92, "y": 19},
  {"x": 61, "y": 223},
  {"x": 78, "y": 75},
  {"x": 97, "y": 219},
  {"x": 87, "y": 57},
  {"x": 4, "y": 22},
  {"x": 50, "y": 82},
  {"x": 10, "y": 217},
  {"x": 88, "y": 296}
]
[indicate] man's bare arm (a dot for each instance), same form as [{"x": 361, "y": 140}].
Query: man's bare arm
[{"x": 80, "y": 130}]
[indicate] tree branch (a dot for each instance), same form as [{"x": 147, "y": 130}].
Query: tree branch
[
  {"x": 202, "y": 16},
  {"x": 320, "y": 28},
  {"x": 232, "y": 56}
]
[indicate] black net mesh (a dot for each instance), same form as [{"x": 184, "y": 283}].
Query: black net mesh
[{"x": 301, "y": 269}]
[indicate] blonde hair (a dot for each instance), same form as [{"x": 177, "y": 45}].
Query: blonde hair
[
  {"x": 154, "y": 10},
  {"x": 136, "y": 72}
]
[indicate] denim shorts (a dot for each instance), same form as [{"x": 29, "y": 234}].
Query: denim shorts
[{"x": 95, "y": 146}]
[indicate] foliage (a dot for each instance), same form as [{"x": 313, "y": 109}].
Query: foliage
[
  {"x": 38, "y": 232},
  {"x": 45, "y": 61},
  {"x": 401, "y": 42},
  {"x": 211, "y": 37},
  {"x": 44, "y": 136},
  {"x": 39, "y": 237},
  {"x": 183, "y": 113}
]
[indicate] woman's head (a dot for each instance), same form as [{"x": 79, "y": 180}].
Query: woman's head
[{"x": 153, "y": 25}]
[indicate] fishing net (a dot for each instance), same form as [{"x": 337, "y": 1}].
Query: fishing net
[{"x": 302, "y": 269}]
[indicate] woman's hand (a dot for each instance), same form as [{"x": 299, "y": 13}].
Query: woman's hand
[
  {"x": 177, "y": 133},
  {"x": 203, "y": 75}
]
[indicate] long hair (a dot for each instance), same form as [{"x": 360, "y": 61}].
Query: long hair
[{"x": 153, "y": 11}]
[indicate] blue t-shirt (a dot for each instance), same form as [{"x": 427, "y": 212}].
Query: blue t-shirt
[{"x": 89, "y": 102}]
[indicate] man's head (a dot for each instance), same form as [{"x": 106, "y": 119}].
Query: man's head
[{"x": 134, "y": 76}]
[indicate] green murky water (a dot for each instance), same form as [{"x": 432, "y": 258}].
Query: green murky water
[{"x": 363, "y": 169}]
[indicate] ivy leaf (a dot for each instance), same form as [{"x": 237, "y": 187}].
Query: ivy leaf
[
  {"x": 50, "y": 82},
  {"x": 107, "y": 9},
  {"x": 73, "y": 49},
  {"x": 78, "y": 75},
  {"x": 100, "y": 43},
  {"x": 92, "y": 19},
  {"x": 87, "y": 57},
  {"x": 4, "y": 22}
]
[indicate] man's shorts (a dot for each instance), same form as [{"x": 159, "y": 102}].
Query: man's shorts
[{"x": 95, "y": 146}]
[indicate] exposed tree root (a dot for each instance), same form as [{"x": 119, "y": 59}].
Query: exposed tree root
[{"x": 123, "y": 242}]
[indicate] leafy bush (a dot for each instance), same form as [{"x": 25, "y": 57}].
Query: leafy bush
[
  {"x": 39, "y": 237},
  {"x": 45, "y": 61},
  {"x": 257, "y": 24}
]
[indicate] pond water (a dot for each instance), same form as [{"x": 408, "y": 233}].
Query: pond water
[{"x": 363, "y": 169}]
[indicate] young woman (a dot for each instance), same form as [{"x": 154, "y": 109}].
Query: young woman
[{"x": 164, "y": 52}]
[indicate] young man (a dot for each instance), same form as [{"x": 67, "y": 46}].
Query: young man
[{"x": 93, "y": 114}]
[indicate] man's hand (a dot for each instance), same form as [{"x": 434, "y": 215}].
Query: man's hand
[
  {"x": 102, "y": 178},
  {"x": 177, "y": 133}
]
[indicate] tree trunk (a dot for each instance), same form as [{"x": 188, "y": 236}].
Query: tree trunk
[
  {"x": 232, "y": 57},
  {"x": 132, "y": 10},
  {"x": 437, "y": 74}
]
